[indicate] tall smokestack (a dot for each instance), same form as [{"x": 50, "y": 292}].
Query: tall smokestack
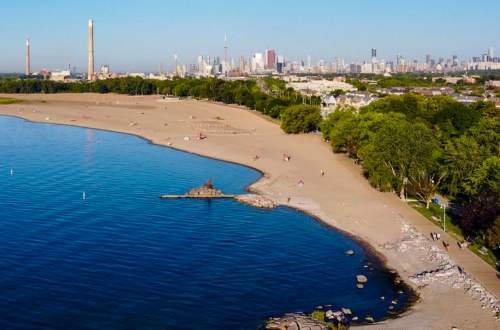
[
  {"x": 91, "y": 49},
  {"x": 27, "y": 57},
  {"x": 160, "y": 70},
  {"x": 176, "y": 64}
]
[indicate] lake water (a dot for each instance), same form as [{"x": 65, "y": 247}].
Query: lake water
[{"x": 124, "y": 259}]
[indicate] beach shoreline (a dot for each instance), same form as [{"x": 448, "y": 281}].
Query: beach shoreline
[{"x": 342, "y": 209}]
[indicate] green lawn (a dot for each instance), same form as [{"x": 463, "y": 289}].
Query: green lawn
[
  {"x": 454, "y": 230},
  {"x": 6, "y": 100}
]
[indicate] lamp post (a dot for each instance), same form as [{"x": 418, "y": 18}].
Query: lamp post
[
  {"x": 443, "y": 206},
  {"x": 406, "y": 191}
]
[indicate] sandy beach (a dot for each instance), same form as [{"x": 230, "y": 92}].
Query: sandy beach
[{"x": 341, "y": 197}]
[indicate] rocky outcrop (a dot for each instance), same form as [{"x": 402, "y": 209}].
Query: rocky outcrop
[
  {"x": 295, "y": 321},
  {"x": 204, "y": 192},
  {"x": 447, "y": 271},
  {"x": 256, "y": 201}
]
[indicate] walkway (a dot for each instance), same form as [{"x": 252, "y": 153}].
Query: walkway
[{"x": 471, "y": 263}]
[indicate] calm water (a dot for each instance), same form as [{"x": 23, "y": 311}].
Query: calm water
[{"x": 123, "y": 259}]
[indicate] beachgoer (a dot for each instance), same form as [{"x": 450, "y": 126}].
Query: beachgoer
[
  {"x": 462, "y": 246},
  {"x": 288, "y": 199},
  {"x": 433, "y": 236},
  {"x": 447, "y": 246},
  {"x": 438, "y": 236},
  {"x": 322, "y": 173},
  {"x": 201, "y": 136}
]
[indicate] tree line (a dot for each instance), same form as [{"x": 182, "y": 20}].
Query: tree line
[{"x": 424, "y": 145}]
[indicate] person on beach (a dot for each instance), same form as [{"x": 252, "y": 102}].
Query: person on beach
[
  {"x": 438, "y": 236},
  {"x": 462, "y": 246},
  {"x": 322, "y": 173},
  {"x": 447, "y": 246},
  {"x": 256, "y": 157},
  {"x": 288, "y": 199},
  {"x": 433, "y": 236}
]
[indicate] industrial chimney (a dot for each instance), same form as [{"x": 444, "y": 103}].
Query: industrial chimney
[
  {"x": 27, "y": 57},
  {"x": 91, "y": 49}
]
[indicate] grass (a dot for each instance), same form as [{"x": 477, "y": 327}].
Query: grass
[
  {"x": 318, "y": 315},
  {"x": 6, "y": 100},
  {"x": 454, "y": 230},
  {"x": 218, "y": 118}
]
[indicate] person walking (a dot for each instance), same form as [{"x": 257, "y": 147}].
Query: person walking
[
  {"x": 438, "y": 236},
  {"x": 322, "y": 173}
]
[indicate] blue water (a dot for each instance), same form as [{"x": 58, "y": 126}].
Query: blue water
[{"x": 124, "y": 259}]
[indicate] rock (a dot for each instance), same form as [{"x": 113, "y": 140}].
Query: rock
[
  {"x": 369, "y": 318},
  {"x": 350, "y": 252},
  {"x": 319, "y": 308},
  {"x": 391, "y": 307},
  {"x": 346, "y": 311},
  {"x": 383, "y": 298},
  {"x": 361, "y": 279},
  {"x": 355, "y": 318},
  {"x": 256, "y": 201},
  {"x": 400, "y": 291},
  {"x": 329, "y": 314},
  {"x": 328, "y": 306},
  {"x": 394, "y": 302},
  {"x": 360, "y": 286},
  {"x": 204, "y": 192}
]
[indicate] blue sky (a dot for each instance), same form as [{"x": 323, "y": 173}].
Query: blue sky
[{"x": 136, "y": 36}]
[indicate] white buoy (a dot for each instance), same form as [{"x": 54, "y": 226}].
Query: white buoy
[
  {"x": 11, "y": 171},
  {"x": 83, "y": 195}
]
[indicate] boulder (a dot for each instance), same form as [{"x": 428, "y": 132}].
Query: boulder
[
  {"x": 355, "y": 318},
  {"x": 360, "y": 286},
  {"x": 361, "y": 279},
  {"x": 346, "y": 311},
  {"x": 350, "y": 252},
  {"x": 369, "y": 318}
]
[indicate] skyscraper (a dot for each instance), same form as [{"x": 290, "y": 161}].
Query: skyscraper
[
  {"x": 308, "y": 61},
  {"x": 270, "y": 58},
  {"x": 374, "y": 53},
  {"x": 428, "y": 59},
  {"x": 490, "y": 53},
  {"x": 91, "y": 49}
]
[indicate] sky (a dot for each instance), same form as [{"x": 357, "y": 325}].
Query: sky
[{"x": 136, "y": 36}]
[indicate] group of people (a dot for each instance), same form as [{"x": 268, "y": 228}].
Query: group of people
[{"x": 436, "y": 236}]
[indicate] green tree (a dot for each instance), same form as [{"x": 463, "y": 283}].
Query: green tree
[{"x": 300, "y": 118}]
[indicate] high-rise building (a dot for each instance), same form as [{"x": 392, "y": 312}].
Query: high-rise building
[
  {"x": 270, "y": 58},
  {"x": 91, "y": 49},
  {"x": 428, "y": 59},
  {"x": 374, "y": 53},
  {"x": 308, "y": 61},
  {"x": 485, "y": 57},
  {"x": 455, "y": 60},
  {"x": 257, "y": 62},
  {"x": 280, "y": 63},
  {"x": 490, "y": 53}
]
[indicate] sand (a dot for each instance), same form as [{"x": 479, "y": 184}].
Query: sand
[{"x": 341, "y": 198}]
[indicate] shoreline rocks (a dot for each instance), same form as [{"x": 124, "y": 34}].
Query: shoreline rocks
[{"x": 447, "y": 272}]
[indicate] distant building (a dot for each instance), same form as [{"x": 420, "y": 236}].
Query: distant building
[{"x": 270, "y": 58}]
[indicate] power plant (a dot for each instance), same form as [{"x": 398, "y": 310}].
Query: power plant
[
  {"x": 27, "y": 57},
  {"x": 91, "y": 49}
]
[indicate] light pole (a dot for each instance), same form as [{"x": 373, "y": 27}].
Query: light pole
[
  {"x": 443, "y": 206},
  {"x": 406, "y": 191}
]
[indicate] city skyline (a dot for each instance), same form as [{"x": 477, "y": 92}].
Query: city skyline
[{"x": 61, "y": 36}]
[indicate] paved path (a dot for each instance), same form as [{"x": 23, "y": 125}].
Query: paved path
[{"x": 471, "y": 263}]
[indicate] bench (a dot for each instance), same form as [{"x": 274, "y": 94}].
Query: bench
[
  {"x": 483, "y": 250},
  {"x": 436, "y": 217}
]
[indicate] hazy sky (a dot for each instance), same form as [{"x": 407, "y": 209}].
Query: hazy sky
[{"x": 136, "y": 35}]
